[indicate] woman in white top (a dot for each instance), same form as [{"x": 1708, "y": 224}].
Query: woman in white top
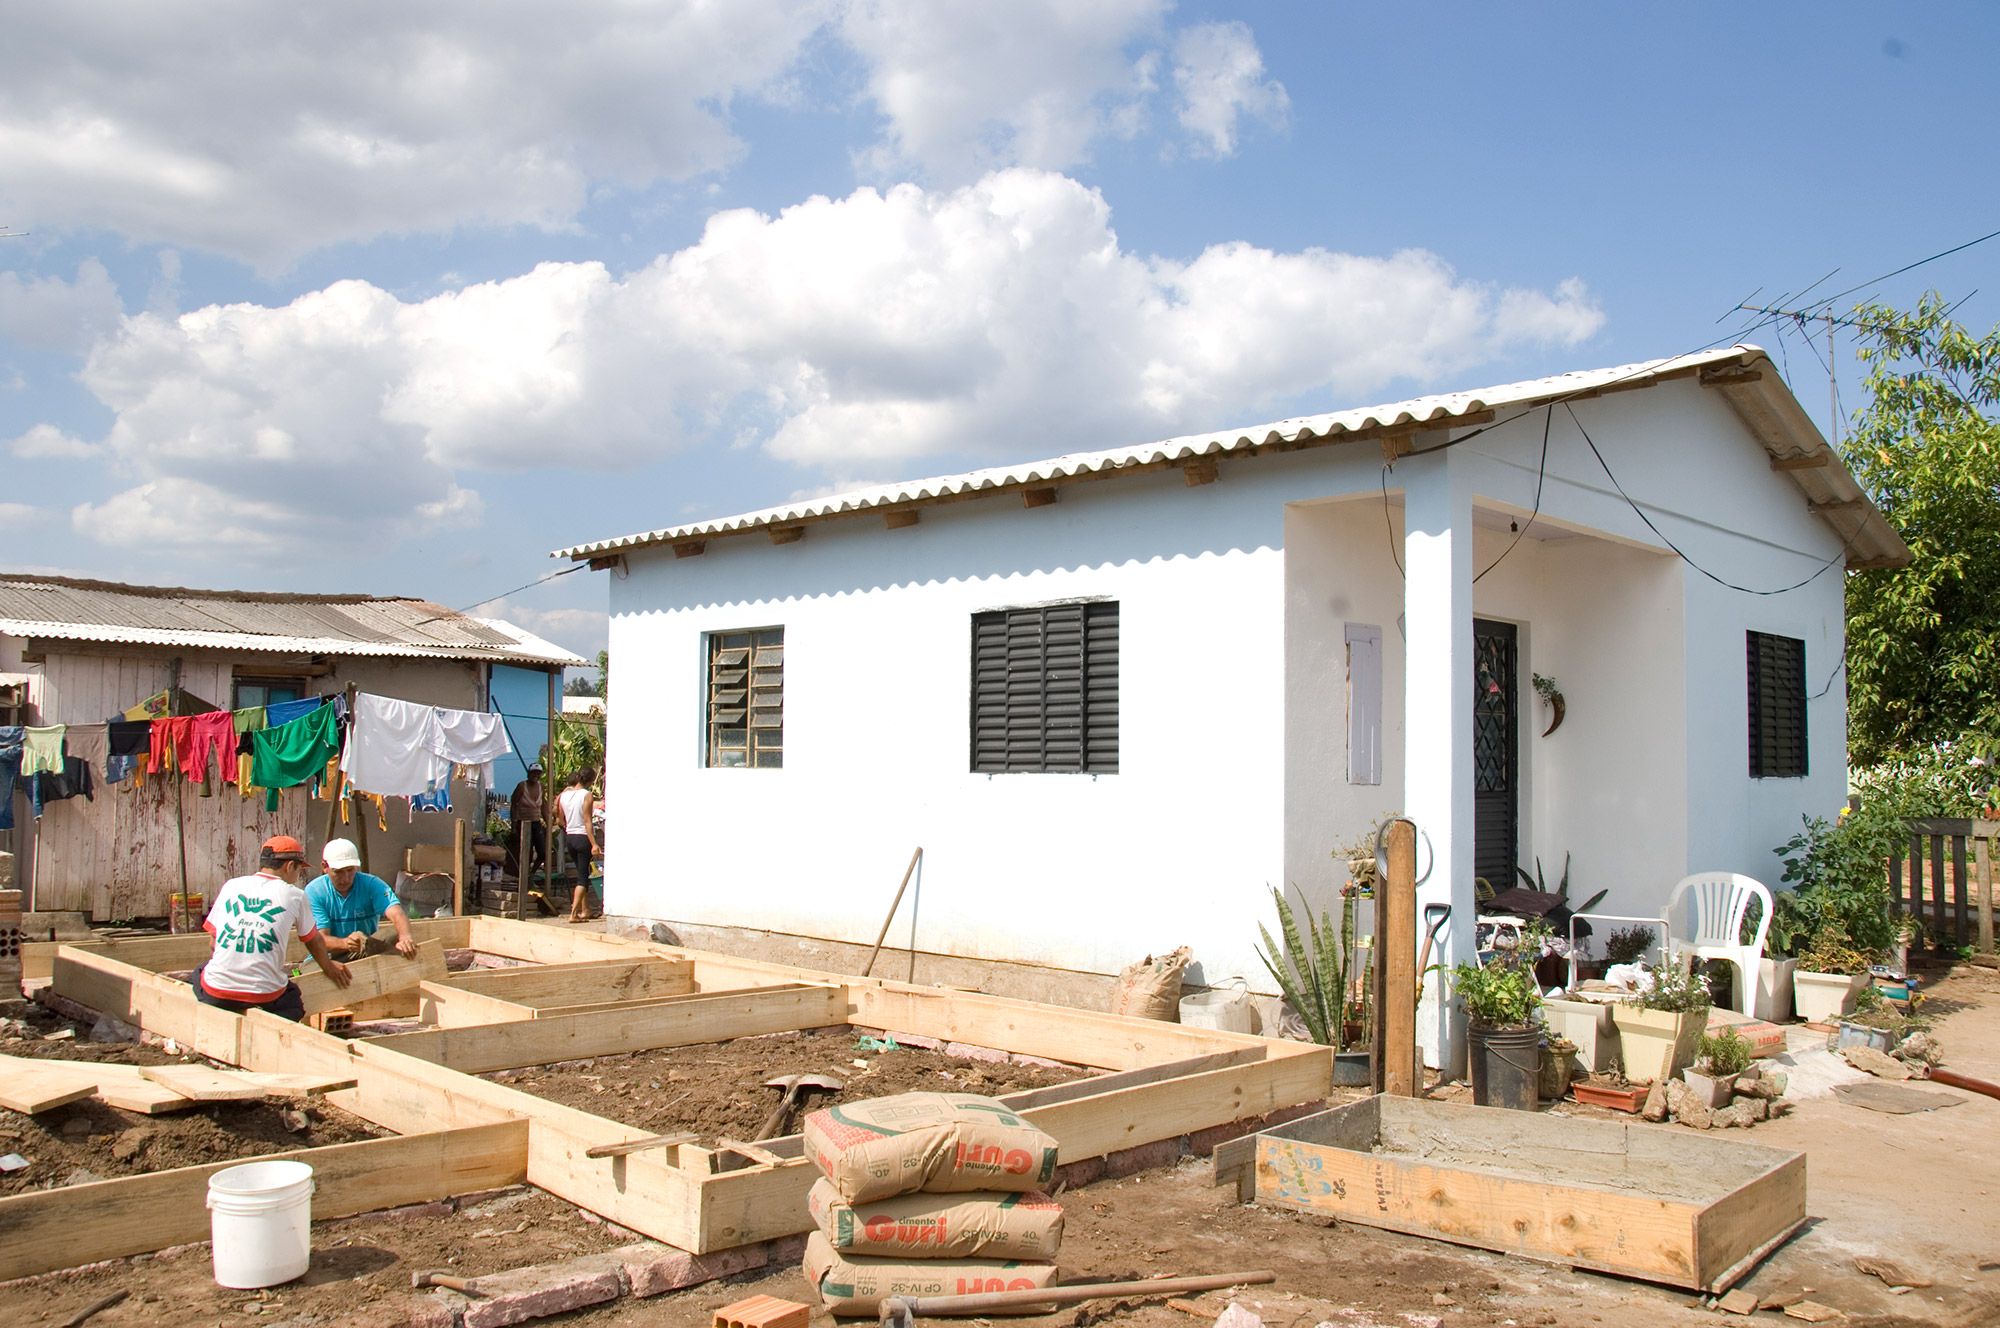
[{"x": 574, "y": 806}]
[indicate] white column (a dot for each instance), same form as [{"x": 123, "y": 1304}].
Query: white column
[{"x": 1437, "y": 758}]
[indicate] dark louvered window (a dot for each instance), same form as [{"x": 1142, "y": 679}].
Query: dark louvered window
[
  {"x": 1045, "y": 689},
  {"x": 746, "y": 699},
  {"x": 1777, "y": 706}
]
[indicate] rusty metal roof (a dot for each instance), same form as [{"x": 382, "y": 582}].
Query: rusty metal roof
[
  {"x": 61, "y": 608},
  {"x": 1744, "y": 375}
]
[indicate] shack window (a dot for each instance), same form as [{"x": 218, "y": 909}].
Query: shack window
[
  {"x": 1045, "y": 689},
  {"x": 746, "y": 698},
  {"x": 267, "y": 691},
  {"x": 1777, "y": 667}
]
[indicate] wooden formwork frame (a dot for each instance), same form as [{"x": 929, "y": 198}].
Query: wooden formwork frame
[{"x": 1161, "y": 1080}]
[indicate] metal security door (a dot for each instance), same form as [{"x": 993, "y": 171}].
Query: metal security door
[{"x": 1495, "y": 752}]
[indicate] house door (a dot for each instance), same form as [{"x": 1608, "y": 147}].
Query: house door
[{"x": 1495, "y": 752}]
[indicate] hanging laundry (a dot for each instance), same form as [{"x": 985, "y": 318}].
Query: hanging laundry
[
  {"x": 249, "y": 720},
  {"x": 471, "y": 737},
  {"x": 165, "y": 743},
  {"x": 11, "y": 745},
  {"x": 281, "y": 713},
  {"x": 211, "y": 737},
  {"x": 130, "y": 746},
  {"x": 391, "y": 749},
  {"x": 43, "y": 750},
  {"x": 288, "y": 755},
  {"x": 153, "y": 707},
  {"x": 439, "y": 801},
  {"x": 47, "y": 786}
]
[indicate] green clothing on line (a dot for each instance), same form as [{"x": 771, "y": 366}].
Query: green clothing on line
[
  {"x": 292, "y": 754},
  {"x": 248, "y": 720}
]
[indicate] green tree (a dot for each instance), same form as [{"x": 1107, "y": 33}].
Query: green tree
[{"x": 1923, "y": 642}]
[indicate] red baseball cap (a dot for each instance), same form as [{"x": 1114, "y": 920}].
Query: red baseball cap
[{"x": 283, "y": 847}]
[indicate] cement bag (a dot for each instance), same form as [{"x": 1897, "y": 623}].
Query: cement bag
[
  {"x": 941, "y": 1143},
  {"x": 855, "y": 1284},
  {"x": 981, "y": 1225},
  {"x": 1151, "y": 988}
]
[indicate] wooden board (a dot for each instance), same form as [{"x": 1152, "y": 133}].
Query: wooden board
[
  {"x": 373, "y": 977},
  {"x": 593, "y": 982},
  {"x": 26, "y": 1087},
  {"x": 178, "y": 954},
  {"x": 44, "y": 1230},
  {"x": 1637, "y": 1200},
  {"x": 123, "y": 1086},
  {"x": 199, "y": 1083}
]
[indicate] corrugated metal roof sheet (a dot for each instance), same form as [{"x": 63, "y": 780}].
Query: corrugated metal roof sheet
[
  {"x": 67, "y": 609},
  {"x": 1774, "y": 415}
]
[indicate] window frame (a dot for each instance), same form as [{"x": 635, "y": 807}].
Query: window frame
[
  {"x": 759, "y": 740},
  {"x": 1092, "y": 694},
  {"x": 1775, "y": 676},
  {"x": 298, "y": 686}
]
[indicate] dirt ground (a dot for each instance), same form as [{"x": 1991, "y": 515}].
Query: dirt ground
[
  {"x": 88, "y": 1140},
  {"x": 715, "y": 1090}
]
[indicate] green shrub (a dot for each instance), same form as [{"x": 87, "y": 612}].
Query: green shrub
[
  {"x": 1675, "y": 990},
  {"x": 1625, "y": 946},
  {"x": 1838, "y": 874},
  {"x": 1724, "y": 1053},
  {"x": 1501, "y": 995}
]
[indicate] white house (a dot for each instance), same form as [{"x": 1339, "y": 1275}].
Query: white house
[{"x": 1116, "y": 695}]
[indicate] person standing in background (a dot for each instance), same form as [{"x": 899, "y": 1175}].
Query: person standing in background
[
  {"x": 531, "y": 837},
  {"x": 575, "y": 806}
]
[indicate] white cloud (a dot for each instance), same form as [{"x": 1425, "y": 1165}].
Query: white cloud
[
  {"x": 855, "y": 335},
  {"x": 965, "y": 88},
  {"x": 1220, "y": 76},
  {"x": 264, "y": 131},
  {"x": 15, "y": 516},
  {"x": 45, "y": 441},
  {"x": 48, "y": 313}
]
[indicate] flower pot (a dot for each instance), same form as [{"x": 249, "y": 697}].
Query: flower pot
[
  {"x": 1558, "y": 1068},
  {"x": 1588, "y": 1024},
  {"x": 1861, "y": 1035},
  {"x": 1822, "y": 998},
  {"x": 1352, "y": 1068},
  {"x": 1773, "y": 998},
  {"x": 1710, "y": 1090},
  {"x": 1656, "y": 1043},
  {"x": 1505, "y": 1065}
]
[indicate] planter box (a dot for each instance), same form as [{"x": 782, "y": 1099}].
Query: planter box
[
  {"x": 1710, "y": 1090},
  {"x": 1587, "y": 1024},
  {"x": 1668, "y": 1206},
  {"x": 1822, "y": 998},
  {"x": 1615, "y": 1099},
  {"x": 1772, "y": 1001},
  {"x": 1654, "y": 1043}
]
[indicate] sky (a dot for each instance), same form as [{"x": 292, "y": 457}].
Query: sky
[{"x": 399, "y": 298}]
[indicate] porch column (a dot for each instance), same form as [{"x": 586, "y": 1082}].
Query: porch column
[{"x": 1437, "y": 756}]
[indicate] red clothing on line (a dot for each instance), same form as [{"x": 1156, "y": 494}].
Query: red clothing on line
[
  {"x": 166, "y": 742},
  {"x": 208, "y": 738}
]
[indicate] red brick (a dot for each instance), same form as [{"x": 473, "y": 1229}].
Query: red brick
[
  {"x": 1146, "y": 1157},
  {"x": 1075, "y": 1175}
]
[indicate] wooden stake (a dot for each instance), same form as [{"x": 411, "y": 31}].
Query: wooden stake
[
  {"x": 1395, "y": 965},
  {"x": 1982, "y": 848},
  {"x": 890, "y": 917},
  {"x": 458, "y": 867}
]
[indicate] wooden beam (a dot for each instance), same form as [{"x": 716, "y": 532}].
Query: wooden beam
[
  {"x": 31, "y": 1089},
  {"x": 901, "y": 519},
  {"x": 1140, "y": 1114},
  {"x": 1397, "y": 445},
  {"x": 44, "y": 1230},
  {"x": 1041, "y": 497},
  {"x": 585, "y": 983},
  {"x": 785, "y": 534},
  {"x": 1730, "y": 377},
  {"x": 1202, "y": 470},
  {"x": 123, "y": 1086},
  {"x": 1838, "y": 505},
  {"x": 1080, "y": 1037},
  {"x": 606, "y": 562},
  {"x": 147, "y": 1000},
  {"x": 689, "y": 548},
  {"x": 198, "y": 1083},
  {"x": 372, "y": 977},
  {"x": 178, "y": 954},
  {"x": 1810, "y": 461}
]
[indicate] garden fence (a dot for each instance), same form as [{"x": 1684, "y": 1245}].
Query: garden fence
[{"x": 1955, "y": 904}]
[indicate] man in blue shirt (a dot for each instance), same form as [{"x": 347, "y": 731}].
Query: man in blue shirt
[{"x": 348, "y": 904}]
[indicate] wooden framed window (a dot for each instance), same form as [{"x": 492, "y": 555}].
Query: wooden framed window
[
  {"x": 1045, "y": 689},
  {"x": 1777, "y": 667},
  {"x": 746, "y": 699},
  {"x": 260, "y": 691}
]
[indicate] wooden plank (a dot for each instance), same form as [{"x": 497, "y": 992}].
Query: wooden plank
[
  {"x": 45, "y": 1230},
  {"x": 1080, "y": 1037},
  {"x": 679, "y": 1022},
  {"x": 592, "y": 982},
  {"x": 178, "y": 954},
  {"x": 121, "y": 1086},
  {"x": 1151, "y": 1074},
  {"x": 31, "y": 1090},
  {"x": 1961, "y": 926},
  {"x": 199, "y": 1083},
  {"x": 1982, "y": 849},
  {"x": 157, "y": 1004},
  {"x": 446, "y": 1005},
  {"x": 1234, "y": 1162},
  {"x": 1729, "y": 1231},
  {"x": 1395, "y": 1063},
  {"x": 373, "y": 977},
  {"x": 1145, "y": 1113}
]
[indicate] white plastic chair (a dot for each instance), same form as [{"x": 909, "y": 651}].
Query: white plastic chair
[{"x": 1720, "y": 901}]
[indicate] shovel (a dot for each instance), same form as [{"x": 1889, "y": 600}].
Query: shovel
[{"x": 793, "y": 1087}]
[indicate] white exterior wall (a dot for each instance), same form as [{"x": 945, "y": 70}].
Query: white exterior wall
[{"x": 1234, "y": 597}]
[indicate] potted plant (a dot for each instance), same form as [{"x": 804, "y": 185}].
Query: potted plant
[
  {"x": 1660, "y": 1027},
  {"x": 1505, "y": 1046},
  {"x": 1719, "y": 1058},
  {"x": 1830, "y": 977}
]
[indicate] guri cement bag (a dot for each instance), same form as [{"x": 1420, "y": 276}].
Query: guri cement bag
[
  {"x": 938, "y": 1226},
  {"x": 941, "y": 1143},
  {"x": 856, "y": 1285}
]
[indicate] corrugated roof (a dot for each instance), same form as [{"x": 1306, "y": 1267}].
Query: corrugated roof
[
  {"x": 1744, "y": 374},
  {"x": 67, "y": 609}
]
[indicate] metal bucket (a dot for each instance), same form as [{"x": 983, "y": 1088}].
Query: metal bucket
[{"x": 1506, "y": 1067}]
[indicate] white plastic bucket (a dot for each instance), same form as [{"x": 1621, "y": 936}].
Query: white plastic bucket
[
  {"x": 261, "y": 1223},
  {"x": 1219, "y": 1008}
]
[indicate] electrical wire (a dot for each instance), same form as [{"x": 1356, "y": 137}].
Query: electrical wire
[
  {"x": 1541, "y": 474},
  {"x": 1908, "y": 267},
  {"x": 541, "y": 581},
  {"x": 1838, "y": 669},
  {"x": 1390, "y": 526},
  {"x": 1678, "y": 551}
]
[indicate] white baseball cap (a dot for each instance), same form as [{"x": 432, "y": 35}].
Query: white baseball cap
[{"x": 340, "y": 853}]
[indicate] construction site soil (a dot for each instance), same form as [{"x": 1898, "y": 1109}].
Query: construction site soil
[{"x": 716, "y": 1089}]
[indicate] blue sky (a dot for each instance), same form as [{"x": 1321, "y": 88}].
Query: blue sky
[{"x": 400, "y": 298}]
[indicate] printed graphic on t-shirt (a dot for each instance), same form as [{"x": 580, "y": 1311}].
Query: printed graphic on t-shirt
[{"x": 249, "y": 925}]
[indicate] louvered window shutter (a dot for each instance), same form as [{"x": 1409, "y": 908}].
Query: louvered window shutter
[
  {"x": 1045, "y": 689},
  {"x": 1777, "y": 676}
]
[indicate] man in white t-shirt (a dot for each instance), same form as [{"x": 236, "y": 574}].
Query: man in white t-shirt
[{"x": 251, "y": 922}]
